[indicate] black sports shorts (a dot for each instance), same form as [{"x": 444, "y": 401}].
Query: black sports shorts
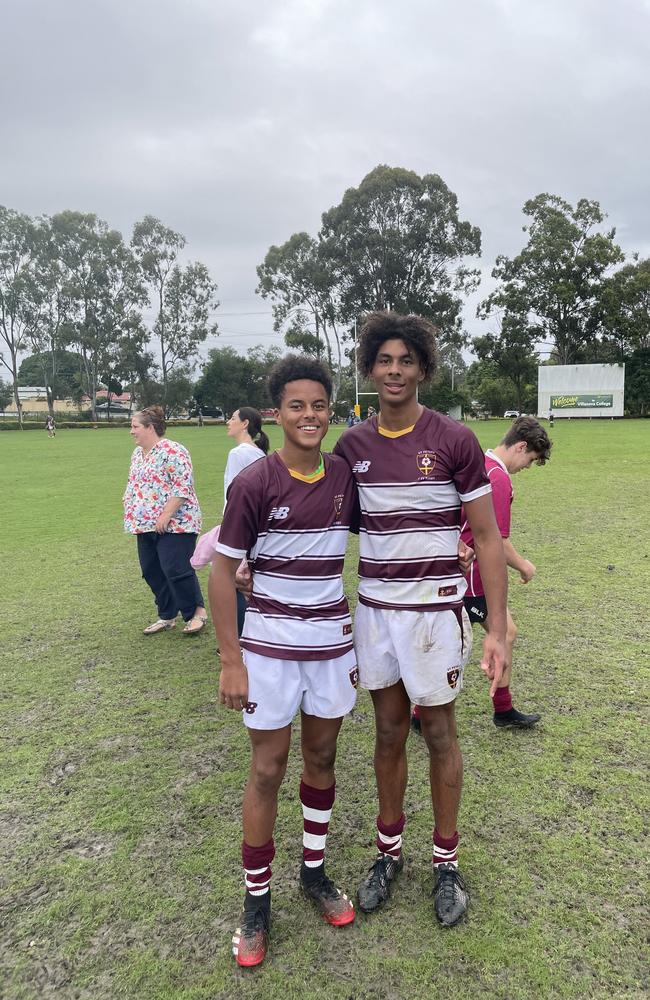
[{"x": 476, "y": 608}]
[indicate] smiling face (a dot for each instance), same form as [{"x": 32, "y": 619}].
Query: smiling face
[
  {"x": 303, "y": 414},
  {"x": 396, "y": 373}
]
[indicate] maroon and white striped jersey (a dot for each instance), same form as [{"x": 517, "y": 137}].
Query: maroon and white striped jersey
[
  {"x": 411, "y": 487},
  {"x": 295, "y": 535}
]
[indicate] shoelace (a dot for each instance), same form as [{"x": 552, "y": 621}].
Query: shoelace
[
  {"x": 450, "y": 878},
  {"x": 324, "y": 887},
  {"x": 254, "y": 921}
]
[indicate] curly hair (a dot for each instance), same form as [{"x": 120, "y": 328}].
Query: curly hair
[
  {"x": 531, "y": 431},
  {"x": 418, "y": 334},
  {"x": 292, "y": 368}
]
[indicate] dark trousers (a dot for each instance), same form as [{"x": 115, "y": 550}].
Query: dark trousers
[{"x": 165, "y": 563}]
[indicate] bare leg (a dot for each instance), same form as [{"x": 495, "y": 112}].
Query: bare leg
[
  {"x": 392, "y": 715},
  {"x": 270, "y": 751},
  {"x": 446, "y": 765},
  {"x": 318, "y": 738}
]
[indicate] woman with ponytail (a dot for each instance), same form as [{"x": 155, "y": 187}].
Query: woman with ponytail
[
  {"x": 245, "y": 428},
  {"x": 251, "y": 443},
  {"x": 162, "y": 511}
]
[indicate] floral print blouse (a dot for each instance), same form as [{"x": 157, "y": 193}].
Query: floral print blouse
[{"x": 164, "y": 472}]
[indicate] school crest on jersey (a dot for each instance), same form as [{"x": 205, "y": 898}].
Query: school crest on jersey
[
  {"x": 453, "y": 676},
  {"x": 338, "y": 506},
  {"x": 426, "y": 462}
]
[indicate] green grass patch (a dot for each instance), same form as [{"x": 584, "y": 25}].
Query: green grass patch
[{"x": 122, "y": 778}]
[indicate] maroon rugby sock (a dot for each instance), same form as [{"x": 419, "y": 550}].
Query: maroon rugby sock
[
  {"x": 257, "y": 867},
  {"x": 389, "y": 836},
  {"x": 502, "y": 699},
  {"x": 316, "y": 812},
  {"x": 445, "y": 849}
]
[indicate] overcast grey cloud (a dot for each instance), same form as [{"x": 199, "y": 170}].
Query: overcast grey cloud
[{"x": 240, "y": 123}]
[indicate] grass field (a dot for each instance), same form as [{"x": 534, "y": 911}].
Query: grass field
[{"x": 122, "y": 779}]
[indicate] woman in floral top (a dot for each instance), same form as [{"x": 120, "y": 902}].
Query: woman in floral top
[{"x": 161, "y": 510}]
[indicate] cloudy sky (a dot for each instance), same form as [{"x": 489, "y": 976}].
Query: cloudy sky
[{"x": 239, "y": 123}]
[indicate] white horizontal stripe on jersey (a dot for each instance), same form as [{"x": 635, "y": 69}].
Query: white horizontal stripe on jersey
[
  {"x": 290, "y": 633},
  {"x": 314, "y": 841},
  {"x": 317, "y": 815},
  {"x": 475, "y": 494},
  {"x": 308, "y": 544},
  {"x": 400, "y": 546},
  {"x": 408, "y": 497},
  {"x": 412, "y": 592},
  {"x": 313, "y": 592},
  {"x": 226, "y": 550}
]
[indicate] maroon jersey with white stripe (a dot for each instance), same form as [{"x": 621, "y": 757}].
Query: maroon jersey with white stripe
[
  {"x": 502, "y": 497},
  {"x": 295, "y": 535},
  {"x": 411, "y": 488}
]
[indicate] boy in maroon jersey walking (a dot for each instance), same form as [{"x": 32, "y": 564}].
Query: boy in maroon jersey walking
[
  {"x": 414, "y": 468},
  {"x": 290, "y": 514}
]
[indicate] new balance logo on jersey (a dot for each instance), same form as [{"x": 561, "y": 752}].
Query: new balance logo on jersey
[
  {"x": 361, "y": 466},
  {"x": 279, "y": 513}
]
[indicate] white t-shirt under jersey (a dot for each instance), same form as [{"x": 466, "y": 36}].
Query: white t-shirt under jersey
[{"x": 239, "y": 458}]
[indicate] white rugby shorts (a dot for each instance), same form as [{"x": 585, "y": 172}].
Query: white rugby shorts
[
  {"x": 278, "y": 688},
  {"x": 426, "y": 650}
]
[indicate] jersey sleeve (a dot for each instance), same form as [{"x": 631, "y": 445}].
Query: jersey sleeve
[
  {"x": 241, "y": 519},
  {"x": 501, "y": 499},
  {"x": 470, "y": 478}
]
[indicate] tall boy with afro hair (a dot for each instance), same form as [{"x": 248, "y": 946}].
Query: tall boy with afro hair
[{"x": 414, "y": 470}]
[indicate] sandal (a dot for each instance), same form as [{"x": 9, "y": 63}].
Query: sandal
[
  {"x": 162, "y": 625},
  {"x": 189, "y": 630}
]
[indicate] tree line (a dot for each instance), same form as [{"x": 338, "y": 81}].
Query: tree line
[
  {"x": 72, "y": 295},
  {"x": 394, "y": 242}
]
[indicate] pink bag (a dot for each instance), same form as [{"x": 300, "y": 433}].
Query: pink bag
[{"x": 204, "y": 553}]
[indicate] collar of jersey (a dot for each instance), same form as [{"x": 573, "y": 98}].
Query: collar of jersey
[
  {"x": 495, "y": 458},
  {"x": 313, "y": 477},
  {"x": 394, "y": 434}
]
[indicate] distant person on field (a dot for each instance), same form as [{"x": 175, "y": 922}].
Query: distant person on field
[
  {"x": 162, "y": 511},
  {"x": 525, "y": 444},
  {"x": 371, "y": 412},
  {"x": 200, "y": 417},
  {"x": 550, "y": 418},
  {"x": 50, "y": 426},
  {"x": 251, "y": 444}
]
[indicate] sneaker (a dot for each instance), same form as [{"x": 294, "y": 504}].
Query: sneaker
[
  {"x": 376, "y": 888},
  {"x": 515, "y": 720},
  {"x": 250, "y": 941},
  {"x": 450, "y": 895},
  {"x": 335, "y": 906}
]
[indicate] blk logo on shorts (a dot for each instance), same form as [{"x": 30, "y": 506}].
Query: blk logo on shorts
[
  {"x": 279, "y": 513},
  {"x": 362, "y": 466},
  {"x": 354, "y": 677},
  {"x": 453, "y": 676},
  {"x": 477, "y": 611},
  {"x": 250, "y": 707}
]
